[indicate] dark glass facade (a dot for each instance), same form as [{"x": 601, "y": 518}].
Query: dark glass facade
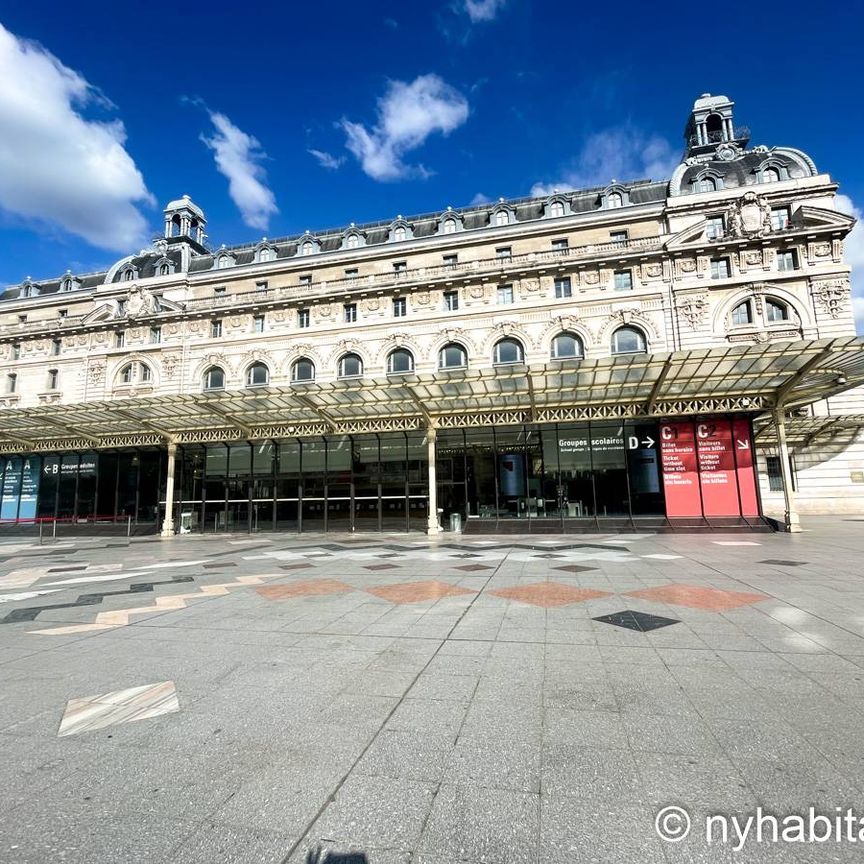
[{"x": 600, "y": 473}]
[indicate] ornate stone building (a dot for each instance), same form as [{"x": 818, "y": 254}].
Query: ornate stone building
[{"x": 640, "y": 353}]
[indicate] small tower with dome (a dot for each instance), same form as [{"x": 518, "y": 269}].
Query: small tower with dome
[
  {"x": 711, "y": 125},
  {"x": 185, "y": 221}
]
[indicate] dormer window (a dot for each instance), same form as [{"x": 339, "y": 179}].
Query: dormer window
[
  {"x": 164, "y": 270},
  {"x": 66, "y": 284},
  {"x": 556, "y": 209},
  {"x": 614, "y": 200},
  {"x": 449, "y": 226},
  {"x": 502, "y": 217},
  {"x": 307, "y": 248},
  {"x": 770, "y": 175},
  {"x": 128, "y": 275},
  {"x": 266, "y": 254},
  {"x": 399, "y": 233},
  {"x": 353, "y": 241},
  {"x": 223, "y": 261}
]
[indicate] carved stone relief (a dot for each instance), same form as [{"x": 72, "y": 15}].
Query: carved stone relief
[
  {"x": 832, "y": 295},
  {"x": 750, "y": 216},
  {"x": 693, "y": 310}
]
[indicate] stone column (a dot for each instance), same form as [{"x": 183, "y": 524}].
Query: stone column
[
  {"x": 432, "y": 526},
  {"x": 790, "y": 518},
  {"x": 168, "y": 523}
]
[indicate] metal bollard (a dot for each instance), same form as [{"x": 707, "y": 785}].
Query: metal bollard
[
  {"x": 54, "y": 532},
  {"x": 128, "y": 527},
  {"x": 40, "y": 532}
]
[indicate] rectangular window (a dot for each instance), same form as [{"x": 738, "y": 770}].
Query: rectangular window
[
  {"x": 216, "y": 329},
  {"x": 219, "y": 290},
  {"x": 56, "y": 347},
  {"x": 716, "y": 227},
  {"x": 53, "y": 379},
  {"x": 306, "y": 279},
  {"x": 16, "y": 351},
  {"x": 258, "y": 324},
  {"x": 505, "y": 294},
  {"x": 563, "y": 287},
  {"x": 62, "y": 313},
  {"x": 779, "y": 218},
  {"x": 155, "y": 335},
  {"x": 120, "y": 339},
  {"x": 451, "y": 260},
  {"x": 260, "y": 286},
  {"x": 719, "y": 268},
  {"x": 22, "y": 319},
  {"x": 451, "y": 300},
  {"x": 350, "y": 311},
  {"x": 302, "y": 317},
  {"x": 504, "y": 252},
  {"x": 775, "y": 476},
  {"x": 400, "y": 307},
  {"x": 623, "y": 280},
  {"x": 400, "y": 266},
  {"x": 11, "y": 382},
  {"x": 787, "y": 260},
  {"x": 351, "y": 273},
  {"x": 560, "y": 245},
  {"x": 619, "y": 236}
]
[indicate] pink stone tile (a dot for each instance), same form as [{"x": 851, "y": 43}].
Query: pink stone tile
[
  {"x": 417, "y": 592},
  {"x": 696, "y": 597},
  {"x": 306, "y": 588},
  {"x": 548, "y": 594}
]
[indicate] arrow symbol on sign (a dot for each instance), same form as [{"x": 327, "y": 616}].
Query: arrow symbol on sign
[
  {"x": 649, "y": 441},
  {"x": 743, "y": 445}
]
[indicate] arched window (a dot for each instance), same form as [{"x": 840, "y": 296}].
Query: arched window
[
  {"x": 127, "y": 373},
  {"x": 714, "y": 128},
  {"x": 628, "y": 340},
  {"x": 303, "y": 369},
  {"x": 223, "y": 262},
  {"x": 128, "y": 275},
  {"x": 502, "y": 217},
  {"x": 557, "y": 209},
  {"x": 306, "y": 248},
  {"x": 508, "y": 351},
  {"x": 163, "y": 270},
  {"x": 350, "y": 366},
  {"x": 214, "y": 378},
  {"x": 352, "y": 242},
  {"x": 770, "y": 175},
  {"x": 400, "y": 360},
  {"x": 399, "y": 233},
  {"x": 706, "y": 184},
  {"x": 257, "y": 375},
  {"x": 566, "y": 346},
  {"x": 67, "y": 285},
  {"x": 146, "y": 373},
  {"x": 449, "y": 226},
  {"x": 614, "y": 200},
  {"x": 452, "y": 356},
  {"x": 265, "y": 254},
  {"x": 776, "y": 311},
  {"x": 742, "y": 314}
]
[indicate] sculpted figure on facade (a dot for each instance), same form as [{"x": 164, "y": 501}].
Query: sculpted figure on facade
[
  {"x": 750, "y": 216},
  {"x": 139, "y": 301}
]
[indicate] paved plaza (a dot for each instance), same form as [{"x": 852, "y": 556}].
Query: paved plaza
[{"x": 460, "y": 699}]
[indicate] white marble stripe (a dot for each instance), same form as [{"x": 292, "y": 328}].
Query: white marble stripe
[
  {"x": 164, "y": 565},
  {"x": 24, "y": 595},
  {"x": 119, "y": 706},
  {"x": 84, "y": 580}
]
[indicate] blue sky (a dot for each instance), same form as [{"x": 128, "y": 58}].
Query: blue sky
[{"x": 108, "y": 110}]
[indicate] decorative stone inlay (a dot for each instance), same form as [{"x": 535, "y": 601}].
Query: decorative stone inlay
[
  {"x": 96, "y": 373},
  {"x": 121, "y": 706},
  {"x": 170, "y": 364}
]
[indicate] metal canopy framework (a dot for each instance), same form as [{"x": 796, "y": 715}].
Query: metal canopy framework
[{"x": 746, "y": 378}]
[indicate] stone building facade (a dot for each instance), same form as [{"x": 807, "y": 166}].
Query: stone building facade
[{"x": 741, "y": 246}]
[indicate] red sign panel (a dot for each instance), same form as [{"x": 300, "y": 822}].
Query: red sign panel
[
  {"x": 680, "y": 479},
  {"x": 743, "y": 441},
  {"x": 717, "y": 468}
]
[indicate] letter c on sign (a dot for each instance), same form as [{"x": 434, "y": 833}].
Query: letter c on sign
[{"x": 667, "y": 433}]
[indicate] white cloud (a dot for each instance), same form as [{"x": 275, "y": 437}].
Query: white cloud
[
  {"x": 238, "y": 157},
  {"x": 407, "y": 115},
  {"x": 621, "y": 153},
  {"x": 483, "y": 10},
  {"x": 327, "y": 160},
  {"x": 853, "y": 247},
  {"x": 58, "y": 166},
  {"x": 480, "y": 198}
]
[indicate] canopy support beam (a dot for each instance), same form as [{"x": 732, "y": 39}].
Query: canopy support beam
[
  {"x": 319, "y": 412},
  {"x": 658, "y": 385},
  {"x": 790, "y": 518}
]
